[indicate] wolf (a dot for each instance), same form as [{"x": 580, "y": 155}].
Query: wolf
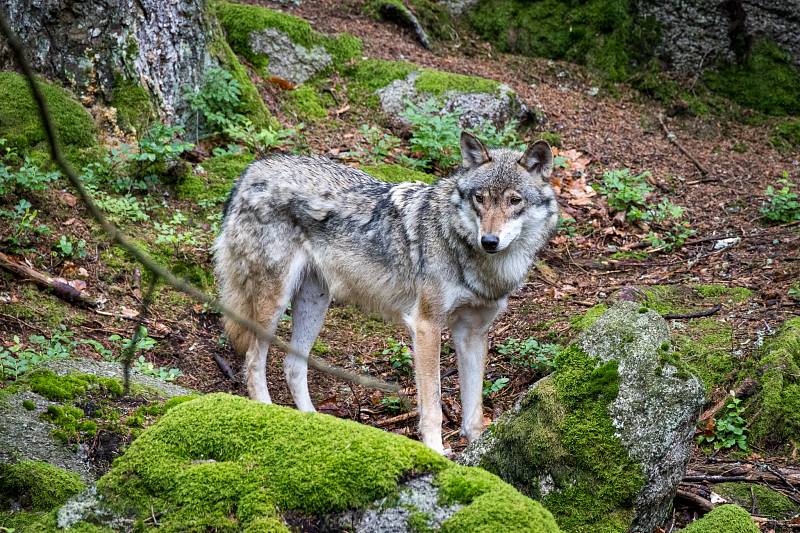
[{"x": 306, "y": 230}]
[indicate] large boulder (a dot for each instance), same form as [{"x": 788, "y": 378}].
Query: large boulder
[
  {"x": 604, "y": 440},
  {"x": 228, "y": 463}
]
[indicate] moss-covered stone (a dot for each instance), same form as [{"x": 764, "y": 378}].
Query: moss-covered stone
[
  {"x": 229, "y": 463},
  {"x": 734, "y": 294},
  {"x": 215, "y": 184},
  {"x": 724, "y": 519},
  {"x": 373, "y": 74},
  {"x": 397, "y": 173},
  {"x": 765, "y": 501},
  {"x": 707, "y": 350},
  {"x": 19, "y": 115},
  {"x": 584, "y": 321},
  {"x": 37, "y": 486},
  {"x": 766, "y": 81},
  {"x": 437, "y": 83},
  {"x": 240, "y": 20},
  {"x": 305, "y": 103},
  {"x": 778, "y": 404},
  {"x": 564, "y": 430},
  {"x": 135, "y": 109},
  {"x": 68, "y": 387}
]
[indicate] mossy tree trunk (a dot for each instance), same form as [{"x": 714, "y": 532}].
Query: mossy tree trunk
[{"x": 132, "y": 51}]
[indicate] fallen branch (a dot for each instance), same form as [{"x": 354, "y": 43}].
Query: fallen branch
[
  {"x": 59, "y": 288},
  {"x": 694, "y": 314},
  {"x": 674, "y": 140},
  {"x": 696, "y": 499},
  {"x": 397, "y": 419},
  {"x": 225, "y": 367},
  {"x": 745, "y": 389}
]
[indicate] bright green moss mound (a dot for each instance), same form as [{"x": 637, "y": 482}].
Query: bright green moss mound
[
  {"x": 735, "y": 294},
  {"x": 306, "y": 104},
  {"x": 374, "y": 74},
  {"x": 19, "y": 115},
  {"x": 397, "y": 173},
  {"x": 585, "y": 321},
  {"x": 220, "y": 174},
  {"x": 240, "y": 20},
  {"x": 135, "y": 110},
  {"x": 707, "y": 351},
  {"x": 767, "y": 502},
  {"x": 229, "y": 463},
  {"x": 38, "y": 486},
  {"x": 605, "y": 35},
  {"x": 564, "y": 430},
  {"x": 767, "y": 81},
  {"x": 778, "y": 406},
  {"x": 438, "y": 83},
  {"x": 724, "y": 519},
  {"x": 62, "y": 388}
]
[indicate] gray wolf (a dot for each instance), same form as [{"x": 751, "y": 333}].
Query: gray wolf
[{"x": 307, "y": 230}]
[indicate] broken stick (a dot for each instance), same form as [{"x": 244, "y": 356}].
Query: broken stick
[
  {"x": 59, "y": 288},
  {"x": 674, "y": 140}
]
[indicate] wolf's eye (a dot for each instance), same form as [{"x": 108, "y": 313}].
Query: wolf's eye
[
  {"x": 515, "y": 200},
  {"x": 479, "y": 198}
]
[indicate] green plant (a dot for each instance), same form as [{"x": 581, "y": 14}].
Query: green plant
[
  {"x": 568, "y": 226},
  {"x": 782, "y": 205},
  {"x": 261, "y": 141},
  {"x": 24, "y": 226},
  {"x": 17, "y": 357},
  {"x": 729, "y": 430},
  {"x": 28, "y": 177},
  {"x": 149, "y": 369},
  {"x": 394, "y": 405},
  {"x": 794, "y": 291},
  {"x": 218, "y": 101},
  {"x": 377, "y": 147},
  {"x": 671, "y": 238},
  {"x": 493, "y": 387},
  {"x": 400, "y": 356},
  {"x": 144, "y": 342},
  {"x": 66, "y": 247},
  {"x": 170, "y": 232},
  {"x": 530, "y": 353},
  {"x": 626, "y": 192}
]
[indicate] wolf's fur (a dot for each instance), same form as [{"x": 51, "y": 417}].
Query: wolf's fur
[{"x": 305, "y": 230}]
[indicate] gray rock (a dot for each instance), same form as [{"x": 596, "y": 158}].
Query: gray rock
[
  {"x": 288, "y": 60},
  {"x": 475, "y": 109},
  {"x": 653, "y": 415},
  {"x": 458, "y": 7},
  {"x": 390, "y": 515},
  {"x": 23, "y": 435}
]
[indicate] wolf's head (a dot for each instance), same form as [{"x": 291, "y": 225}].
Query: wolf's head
[{"x": 503, "y": 195}]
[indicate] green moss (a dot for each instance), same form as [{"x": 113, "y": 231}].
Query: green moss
[
  {"x": 564, "y": 431},
  {"x": 306, "y": 104},
  {"x": 435, "y": 18},
  {"x": 707, "y": 351},
  {"x": 220, "y": 174},
  {"x": 605, "y": 35},
  {"x": 553, "y": 139},
  {"x": 724, "y": 519},
  {"x": 397, "y": 173},
  {"x": 437, "y": 82},
  {"x": 765, "y": 501},
  {"x": 787, "y": 135},
  {"x": 584, "y": 321},
  {"x": 778, "y": 405},
  {"x": 29, "y": 405},
  {"x": 226, "y": 462},
  {"x": 766, "y": 81},
  {"x": 40, "y": 522},
  {"x": 135, "y": 110},
  {"x": 19, "y": 115},
  {"x": 71, "y": 386},
  {"x": 38, "y": 486},
  {"x": 373, "y": 74},
  {"x": 419, "y": 522},
  {"x": 735, "y": 294},
  {"x": 240, "y": 20},
  {"x": 43, "y": 308}
]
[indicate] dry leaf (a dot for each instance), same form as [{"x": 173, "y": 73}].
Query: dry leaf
[
  {"x": 127, "y": 312},
  {"x": 548, "y": 274},
  {"x": 70, "y": 199}
]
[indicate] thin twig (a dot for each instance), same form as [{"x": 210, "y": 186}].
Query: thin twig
[
  {"x": 674, "y": 140},
  {"x": 397, "y": 419},
  {"x": 696, "y": 314},
  {"x": 158, "y": 271}
]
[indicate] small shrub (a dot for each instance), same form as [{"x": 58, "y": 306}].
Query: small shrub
[
  {"x": 218, "y": 101},
  {"x": 400, "y": 356},
  {"x": 493, "y": 387},
  {"x": 149, "y": 369},
  {"x": 783, "y": 204},
  {"x": 626, "y": 192},
  {"x": 729, "y": 430},
  {"x": 377, "y": 147},
  {"x": 530, "y": 353}
]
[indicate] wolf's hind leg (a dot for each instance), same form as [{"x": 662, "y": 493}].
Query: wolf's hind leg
[{"x": 309, "y": 305}]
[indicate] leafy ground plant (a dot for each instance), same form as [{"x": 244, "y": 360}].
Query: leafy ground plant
[
  {"x": 530, "y": 353},
  {"x": 493, "y": 387},
  {"x": 783, "y": 204},
  {"x": 730, "y": 429},
  {"x": 149, "y": 369},
  {"x": 400, "y": 356},
  {"x": 20, "y": 357}
]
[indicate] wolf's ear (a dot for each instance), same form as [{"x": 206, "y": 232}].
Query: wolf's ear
[
  {"x": 473, "y": 152},
  {"x": 538, "y": 159}
]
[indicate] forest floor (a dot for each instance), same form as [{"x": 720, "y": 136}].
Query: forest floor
[{"x": 600, "y": 127}]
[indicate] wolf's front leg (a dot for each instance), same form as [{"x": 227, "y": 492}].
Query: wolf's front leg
[
  {"x": 471, "y": 347},
  {"x": 427, "y": 340}
]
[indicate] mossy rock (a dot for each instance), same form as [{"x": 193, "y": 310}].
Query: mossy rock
[
  {"x": 220, "y": 173},
  {"x": 37, "y": 486},
  {"x": 241, "y": 21},
  {"x": 767, "y": 81},
  {"x": 135, "y": 109},
  {"x": 724, "y": 519},
  {"x": 397, "y": 173},
  {"x": 778, "y": 404},
  {"x": 306, "y": 103},
  {"x": 602, "y": 441},
  {"x": 229, "y": 463},
  {"x": 19, "y": 116},
  {"x": 766, "y": 501}
]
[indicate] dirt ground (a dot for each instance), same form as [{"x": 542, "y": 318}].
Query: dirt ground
[{"x": 601, "y": 128}]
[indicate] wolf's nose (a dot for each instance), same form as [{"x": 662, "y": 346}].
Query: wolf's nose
[{"x": 490, "y": 243}]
